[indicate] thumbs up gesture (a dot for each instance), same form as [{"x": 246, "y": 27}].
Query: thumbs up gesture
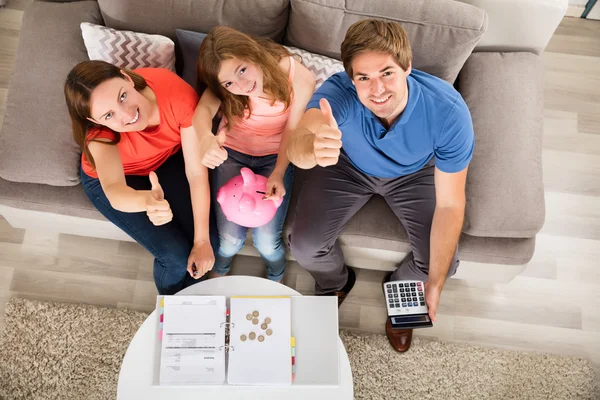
[
  {"x": 212, "y": 152},
  {"x": 157, "y": 208},
  {"x": 328, "y": 138}
]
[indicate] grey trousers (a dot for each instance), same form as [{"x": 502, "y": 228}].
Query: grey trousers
[{"x": 328, "y": 199}]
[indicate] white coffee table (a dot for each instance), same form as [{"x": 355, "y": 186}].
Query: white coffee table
[{"x": 135, "y": 378}]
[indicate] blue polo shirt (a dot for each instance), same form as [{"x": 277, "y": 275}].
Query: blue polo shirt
[{"x": 435, "y": 123}]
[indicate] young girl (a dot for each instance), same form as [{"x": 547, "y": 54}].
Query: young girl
[
  {"x": 262, "y": 93},
  {"x": 138, "y": 143}
]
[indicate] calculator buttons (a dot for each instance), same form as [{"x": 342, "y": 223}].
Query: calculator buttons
[{"x": 405, "y": 298}]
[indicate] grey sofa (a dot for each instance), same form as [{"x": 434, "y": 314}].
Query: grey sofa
[{"x": 490, "y": 50}]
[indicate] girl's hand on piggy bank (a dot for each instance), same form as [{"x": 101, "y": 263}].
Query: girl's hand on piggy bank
[{"x": 275, "y": 189}]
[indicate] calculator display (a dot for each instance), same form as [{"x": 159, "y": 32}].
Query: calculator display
[{"x": 413, "y": 318}]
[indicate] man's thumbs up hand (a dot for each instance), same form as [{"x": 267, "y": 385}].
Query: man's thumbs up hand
[{"x": 328, "y": 138}]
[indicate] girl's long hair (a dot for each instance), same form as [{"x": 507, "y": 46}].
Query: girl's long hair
[{"x": 224, "y": 43}]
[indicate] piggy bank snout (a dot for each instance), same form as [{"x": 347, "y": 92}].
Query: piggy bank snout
[{"x": 247, "y": 203}]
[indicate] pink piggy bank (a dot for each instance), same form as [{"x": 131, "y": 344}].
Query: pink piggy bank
[{"x": 241, "y": 200}]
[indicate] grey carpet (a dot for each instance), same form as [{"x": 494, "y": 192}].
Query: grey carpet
[{"x": 74, "y": 351}]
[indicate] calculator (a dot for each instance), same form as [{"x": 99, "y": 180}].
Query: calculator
[{"x": 406, "y": 307}]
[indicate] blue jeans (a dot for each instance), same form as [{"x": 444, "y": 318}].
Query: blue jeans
[
  {"x": 171, "y": 243},
  {"x": 267, "y": 238}
]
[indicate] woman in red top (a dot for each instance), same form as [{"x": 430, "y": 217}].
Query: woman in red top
[{"x": 139, "y": 146}]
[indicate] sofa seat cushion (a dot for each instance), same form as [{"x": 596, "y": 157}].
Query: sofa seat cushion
[
  {"x": 51, "y": 199},
  {"x": 505, "y": 191},
  {"x": 442, "y": 33},
  {"x": 258, "y": 17},
  {"x": 375, "y": 226},
  {"x": 36, "y": 142}
]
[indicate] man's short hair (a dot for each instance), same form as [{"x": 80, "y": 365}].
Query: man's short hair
[{"x": 376, "y": 35}]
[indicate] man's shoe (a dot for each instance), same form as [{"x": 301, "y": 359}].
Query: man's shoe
[
  {"x": 386, "y": 279},
  {"x": 399, "y": 338},
  {"x": 343, "y": 293}
]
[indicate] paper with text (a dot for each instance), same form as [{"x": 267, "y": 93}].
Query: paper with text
[{"x": 193, "y": 343}]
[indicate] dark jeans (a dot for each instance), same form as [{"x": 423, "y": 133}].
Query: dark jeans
[
  {"x": 267, "y": 238},
  {"x": 171, "y": 243},
  {"x": 331, "y": 196}
]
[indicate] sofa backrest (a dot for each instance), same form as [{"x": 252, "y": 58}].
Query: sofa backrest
[
  {"x": 442, "y": 33},
  {"x": 258, "y": 17}
]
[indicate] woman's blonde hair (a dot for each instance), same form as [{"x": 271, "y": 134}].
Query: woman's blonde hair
[
  {"x": 81, "y": 82},
  {"x": 376, "y": 35},
  {"x": 224, "y": 43}
]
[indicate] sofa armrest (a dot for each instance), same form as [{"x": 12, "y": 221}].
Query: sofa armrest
[
  {"x": 505, "y": 193},
  {"x": 36, "y": 144},
  {"x": 519, "y": 25}
]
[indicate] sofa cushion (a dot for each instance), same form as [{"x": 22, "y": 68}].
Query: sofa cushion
[
  {"x": 322, "y": 67},
  {"x": 376, "y": 227},
  {"x": 259, "y": 17},
  {"x": 127, "y": 49},
  {"x": 70, "y": 200},
  {"x": 36, "y": 143},
  {"x": 505, "y": 192},
  {"x": 442, "y": 32},
  {"x": 189, "y": 43}
]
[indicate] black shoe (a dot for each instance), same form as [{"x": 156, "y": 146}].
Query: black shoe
[
  {"x": 343, "y": 293},
  {"x": 387, "y": 278}
]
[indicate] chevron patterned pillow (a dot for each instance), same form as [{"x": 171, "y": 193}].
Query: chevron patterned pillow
[
  {"x": 321, "y": 66},
  {"x": 127, "y": 49}
]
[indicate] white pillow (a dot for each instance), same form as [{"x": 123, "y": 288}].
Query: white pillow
[
  {"x": 322, "y": 67},
  {"x": 127, "y": 49}
]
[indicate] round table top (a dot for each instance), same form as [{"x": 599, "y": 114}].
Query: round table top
[{"x": 135, "y": 378}]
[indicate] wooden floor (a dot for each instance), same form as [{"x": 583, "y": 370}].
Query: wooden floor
[{"x": 553, "y": 306}]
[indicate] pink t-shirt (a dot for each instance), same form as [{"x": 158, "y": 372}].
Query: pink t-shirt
[{"x": 259, "y": 135}]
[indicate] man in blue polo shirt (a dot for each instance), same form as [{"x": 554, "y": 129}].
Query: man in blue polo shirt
[{"x": 382, "y": 128}]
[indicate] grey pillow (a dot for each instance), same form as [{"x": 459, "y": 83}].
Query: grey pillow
[
  {"x": 189, "y": 43},
  {"x": 36, "y": 141}
]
